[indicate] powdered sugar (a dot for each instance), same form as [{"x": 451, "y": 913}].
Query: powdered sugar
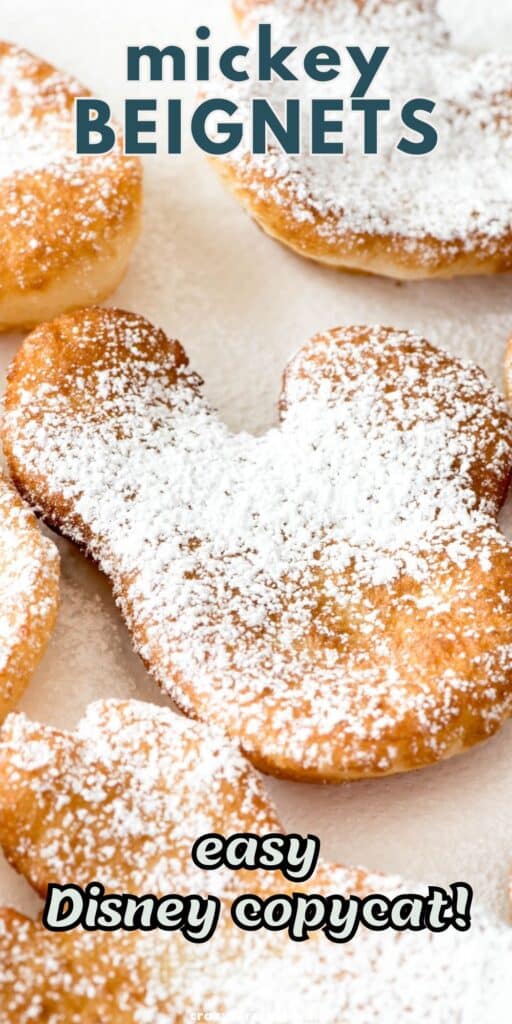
[
  {"x": 37, "y": 122},
  {"x": 90, "y": 637},
  {"x": 284, "y": 556},
  {"x": 154, "y": 779},
  {"x": 122, "y": 800},
  {"x": 458, "y": 195},
  {"x": 56, "y": 206},
  {"x": 27, "y": 563},
  {"x": 35, "y": 114}
]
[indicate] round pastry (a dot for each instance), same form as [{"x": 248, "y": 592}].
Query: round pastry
[
  {"x": 335, "y": 594},
  {"x": 29, "y": 582},
  {"x": 122, "y": 801},
  {"x": 68, "y": 223},
  {"x": 447, "y": 212}
]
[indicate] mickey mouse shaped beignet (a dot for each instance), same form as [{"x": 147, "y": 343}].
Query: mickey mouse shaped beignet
[
  {"x": 122, "y": 801},
  {"x": 68, "y": 223},
  {"x": 335, "y": 594},
  {"x": 388, "y": 211}
]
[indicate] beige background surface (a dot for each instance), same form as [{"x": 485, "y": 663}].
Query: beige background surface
[{"x": 241, "y": 305}]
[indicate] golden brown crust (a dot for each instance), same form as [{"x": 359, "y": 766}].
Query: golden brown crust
[
  {"x": 67, "y": 223},
  {"x": 54, "y": 977},
  {"x": 294, "y": 204},
  {"x": 139, "y": 749},
  {"x": 135, "y": 781},
  {"x": 378, "y": 675},
  {"x": 243, "y": 9},
  {"x": 122, "y": 801},
  {"x": 384, "y": 255},
  {"x": 29, "y": 586}
]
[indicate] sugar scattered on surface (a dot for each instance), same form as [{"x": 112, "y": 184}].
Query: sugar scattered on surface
[
  {"x": 91, "y": 640},
  {"x": 270, "y": 551},
  {"x": 24, "y": 564}
]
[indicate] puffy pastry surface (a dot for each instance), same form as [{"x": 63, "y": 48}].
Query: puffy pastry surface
[
  {"x": 68, "y": 223},
  {"x": 442, "y": 214},
  {"x": 335, "y": 594},
  {"x": 122, "y": 801},
  {"x": 29, "y": 587}
]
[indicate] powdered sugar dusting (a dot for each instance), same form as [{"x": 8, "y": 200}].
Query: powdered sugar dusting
[
  {"x": 89, "y": 636},
  {"x": 458, "y": 195},
  {"x": 135, "y": 782},
  {"x": 287, "y": 556},
  {"x": 154, "y": 779},
  {"x": 55, "y": 205},
  {"x": 35, "y": 114},
  {"x": 27, "y": 563}
]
